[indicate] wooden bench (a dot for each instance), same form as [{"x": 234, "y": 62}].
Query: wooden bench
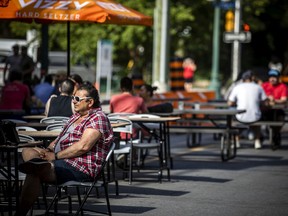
[
  {"x": 228, "y": 137},
  {"x": 269, "y": 124},
  {"x": 199, "y": 129},
  {"x": 199, "y": 126}
]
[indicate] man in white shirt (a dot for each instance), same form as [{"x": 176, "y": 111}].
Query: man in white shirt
[{"x": 248, "y": 95}]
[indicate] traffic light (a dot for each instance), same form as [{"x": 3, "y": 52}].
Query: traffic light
[
  {"x": 246, "y": 27},
  {"x": 229, "y": 21}
]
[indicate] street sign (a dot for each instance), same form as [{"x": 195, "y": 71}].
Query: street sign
[
  {"x": 223, "y": 4},
  {"x": 243, "y": 37},
  {"x": 226, "y": 5}
]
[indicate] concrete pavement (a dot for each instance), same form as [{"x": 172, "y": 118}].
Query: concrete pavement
[{"x": 255, "y": 183}]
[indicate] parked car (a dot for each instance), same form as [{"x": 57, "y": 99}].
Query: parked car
[{"x": 58, "y": 62}]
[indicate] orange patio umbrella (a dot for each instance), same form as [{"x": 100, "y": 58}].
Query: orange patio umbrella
[{"x": 94, "y": 11}]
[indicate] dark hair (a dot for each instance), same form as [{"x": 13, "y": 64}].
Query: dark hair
[
  {"x": 247, "y": 75},
  {"x": 24, "y": 47},
  {"x": 67, "y": 86},
  {"x": 48, "y": 78},
  {"x": 15, "y": 75},
  {"x": 126, "y": 84},
  {"x": 15, "y": 46},
  {"x": 92, "y": 92},
  {"x": 77, "y": 78},
  {"x": 87, "y": 83},
  {"x": 150, "y": 89}
]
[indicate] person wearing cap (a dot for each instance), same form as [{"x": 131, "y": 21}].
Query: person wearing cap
[
  {"x": 248, "y": 96},
  {"x": 275, "y": 90},
  {"x": 277, "y": 94}
]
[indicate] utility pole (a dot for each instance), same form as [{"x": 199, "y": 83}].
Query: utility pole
[
  {"x": 165, "y": 44},
  {"x": 215, "y": 54},
  {"x": 161, "y": 44},
  {"x": 236, "y": 49},
  {"x": 236, "y": 36},
  {"x": 156, "y": 42}
]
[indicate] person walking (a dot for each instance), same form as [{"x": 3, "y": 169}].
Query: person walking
[
  {"x": 27, "y": 66},
  {"x": 189, "y": 68},
  {"x": 12, "y": 63}
]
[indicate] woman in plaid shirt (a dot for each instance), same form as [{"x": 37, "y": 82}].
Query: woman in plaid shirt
[{"x": 76, "y": 154}]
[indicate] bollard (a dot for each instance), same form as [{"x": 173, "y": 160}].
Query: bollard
[
  {"x": 137, "y": 82},
  {"x": 176, "y": 74}
]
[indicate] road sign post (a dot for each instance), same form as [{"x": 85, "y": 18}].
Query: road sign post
[{"x": 243, "y": 37}]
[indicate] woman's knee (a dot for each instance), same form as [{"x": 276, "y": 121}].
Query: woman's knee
[{"x": 29, "y": 153}]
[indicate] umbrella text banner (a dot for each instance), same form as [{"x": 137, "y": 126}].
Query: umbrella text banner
[
  {"x": 97, "y": 11},
  {"x": 80, "y": 11}
]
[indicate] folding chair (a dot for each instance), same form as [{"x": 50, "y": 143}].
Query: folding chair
[
  {"x": 25, "y": 128},
  {"x": 55, "y": 127},
  {"x": 15, "y": 120},
  {"x": 54, "y": 119},
  {"x": 146, "y": 146},
  {"x": 97, "y": 183},
  {"x": 124, "y": 146},
  {"x": 128, "y": 146}
]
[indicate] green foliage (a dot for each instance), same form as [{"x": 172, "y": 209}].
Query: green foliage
[{"x": 191, "y": 28}]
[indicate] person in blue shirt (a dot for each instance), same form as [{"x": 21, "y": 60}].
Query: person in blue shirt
[{"x": 44, "y": 90}]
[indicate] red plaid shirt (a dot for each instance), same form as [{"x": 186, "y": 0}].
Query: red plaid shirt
[{"x": 90, "y": 162}]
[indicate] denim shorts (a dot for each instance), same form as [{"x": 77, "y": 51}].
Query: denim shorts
[{"x": 65, "y": 172}]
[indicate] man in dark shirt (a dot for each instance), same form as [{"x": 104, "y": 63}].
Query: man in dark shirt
[
  {"x": 27, "y": 66},
  {"x": 61, "y": 105}
]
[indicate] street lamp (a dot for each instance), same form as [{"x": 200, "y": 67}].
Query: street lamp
[{"x": 215, "y": 85}]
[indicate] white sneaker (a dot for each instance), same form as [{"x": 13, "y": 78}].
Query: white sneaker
[
  {"x": 258, "y": 144},
  {"x": 238, "y": 145},
  {"x": 250, "y": 136}
]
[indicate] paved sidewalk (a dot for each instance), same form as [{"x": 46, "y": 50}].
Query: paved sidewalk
[{"x": 255, "y": 183}]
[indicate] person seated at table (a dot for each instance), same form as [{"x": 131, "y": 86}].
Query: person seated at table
[
  {"x": 126, "y": 101},
  {"x": 15, "y": 94},
  {"x": 249, "y": 96},
  {"x": 147, "y": 92},
  {"x": 61, "y": 105},
  {"x": 44, "y": 90},
  {"x": 60, "y": 76},
  {"x": 76, "y": 154},
  {"x": 277, "y": 95},
  {"x": 78, "y": 81}
]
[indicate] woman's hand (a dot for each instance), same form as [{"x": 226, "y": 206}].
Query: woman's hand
[{"x": 49, "y": 156}]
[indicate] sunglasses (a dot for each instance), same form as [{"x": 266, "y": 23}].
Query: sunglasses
[{"x": 79, "y": 99}]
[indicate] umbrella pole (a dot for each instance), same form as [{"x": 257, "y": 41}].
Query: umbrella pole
[{"x": 68, "y": 48}]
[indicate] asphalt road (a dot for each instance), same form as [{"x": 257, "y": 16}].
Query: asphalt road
[{"x": 255, "y": 183}]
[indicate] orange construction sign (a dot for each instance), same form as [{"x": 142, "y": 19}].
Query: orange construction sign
[{"x": 96, "y": 11}]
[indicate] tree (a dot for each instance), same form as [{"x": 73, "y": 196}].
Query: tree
[{"x": 191, "y": 32}]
